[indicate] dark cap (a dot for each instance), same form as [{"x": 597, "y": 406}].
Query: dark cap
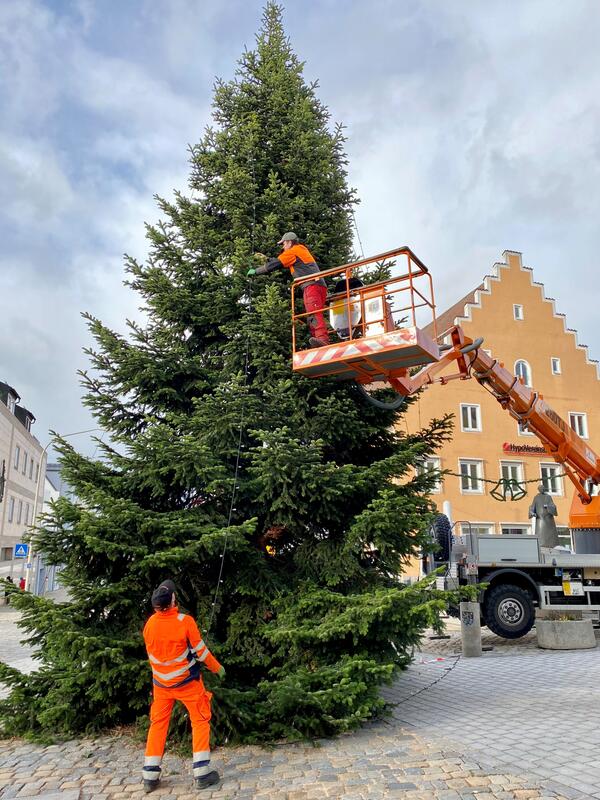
[{"x": 163, "y": 594}]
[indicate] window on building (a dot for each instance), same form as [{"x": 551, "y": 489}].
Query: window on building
[
  {"x": 523, "y": 430},
  {"x": 555, "y": 366},
  {"x": 37, "y": 471},
  {"x": 477, "y": 528},
  {"x": 25, "y": 457},
  {"x": 31, "y": 462},
  {"x": 27, "y": 509},
  {"x": 518, "y": 311},
  {"x": 17, "y": 456},
  {"x": 11, "y": 403},
  {"x": 564, "y": 537},
  {"x": 578, "y": 421},
  {"x": 6, "y": 554},
  {"x": 523, "y": 371},
  {"x": 470, "y": 417},
  {"x": 432, "y": 464},
  {"x": 11, "y": 509},
  {"x": 512, "y": 470},
  {"x": 511, "y": 528},
  {"x": 550, "y": 478},
  {"x": 20, "y": 513},
  {"x": 471, "y": 474}
]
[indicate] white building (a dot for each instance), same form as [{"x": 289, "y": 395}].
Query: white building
[{"x": 22, "y": 462}]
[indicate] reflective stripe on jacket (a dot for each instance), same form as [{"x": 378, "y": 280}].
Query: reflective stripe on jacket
[{"x": 176, "y": 649}]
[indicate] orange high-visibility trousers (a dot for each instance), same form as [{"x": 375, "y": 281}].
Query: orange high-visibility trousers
[{"x": 196, "y": 699}]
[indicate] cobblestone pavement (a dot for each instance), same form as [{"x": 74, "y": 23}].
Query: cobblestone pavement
[
  {"x": 451, "y": 741},
  {"x": 534, "y": 714},
  {"x": 380, "y": 761},
  {"x": 12, "y": 651}
]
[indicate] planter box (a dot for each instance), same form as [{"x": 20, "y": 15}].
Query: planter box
[{"x": 571, "y": 634}]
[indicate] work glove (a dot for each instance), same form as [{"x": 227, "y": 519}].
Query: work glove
[
  {"x": 251, "y": 272},
  {"x": 221, "y": 672}
]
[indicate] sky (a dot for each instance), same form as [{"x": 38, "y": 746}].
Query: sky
[{"x": 473, "y": 128}]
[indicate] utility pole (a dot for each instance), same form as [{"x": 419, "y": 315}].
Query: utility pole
[{"x": 29, "y": 562}]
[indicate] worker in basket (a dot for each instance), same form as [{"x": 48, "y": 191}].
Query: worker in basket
[{"x": 300, "y": 261}]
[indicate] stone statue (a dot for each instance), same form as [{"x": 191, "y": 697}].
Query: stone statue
[{"x": 544, "y": 511}]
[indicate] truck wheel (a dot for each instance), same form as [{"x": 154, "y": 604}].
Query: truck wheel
[
  {"x": 509, "y": 611},
  {"x": 442, "y": 534}
]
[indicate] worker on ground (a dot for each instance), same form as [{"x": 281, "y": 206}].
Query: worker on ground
[
  {"x": 301, "y": 262},
  {"x": 176, "y": 651}
]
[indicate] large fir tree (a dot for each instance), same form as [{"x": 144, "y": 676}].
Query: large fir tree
[{"x": 202, "y": 408}]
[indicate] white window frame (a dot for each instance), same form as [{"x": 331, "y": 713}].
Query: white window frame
[
  {"x": 11, "y": 403},
  {"x": 518, "y": 312},
  {"x": 11, "y": 509},
  {"x": 16, "y": 456},
  {"x": 478, "y": 528},
  {"x": 436, "y": 464},
  {"x": 20, "y": 512},
  {"x": 525, "y": 527},
  {"x": 37, "y": 471},
  {"x": 523, "y": 432},
  {"x": 27, "y": 510},
  {"x": 528, "y": 366},
  {"x": 25, "y": 457},
  {"x": 478, "y": 427},
  {"x": 31, "y": 463},
  {"x": 559, "y": 481},
  {"x": 478, "y": 463},
  {"x": 513, "y": 463},
  {"x": 583, "y": 417},
  {"x": 555, "y": 365}
]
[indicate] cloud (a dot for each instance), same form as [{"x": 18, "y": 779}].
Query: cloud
[
  {"x": 472, "y": 128},
  {"x": 87, "y": 139}
]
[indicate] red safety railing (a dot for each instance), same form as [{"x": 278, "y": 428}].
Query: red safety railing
[{"x": 399, "y": 296}]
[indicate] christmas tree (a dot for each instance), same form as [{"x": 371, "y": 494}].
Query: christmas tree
[{"x": 284, "y": 508}]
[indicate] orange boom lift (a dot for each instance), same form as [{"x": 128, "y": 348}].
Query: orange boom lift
[{"x": 379, "y": 325}]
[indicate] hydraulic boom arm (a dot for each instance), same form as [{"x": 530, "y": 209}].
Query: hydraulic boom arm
[{"x": 524, "y": 404}]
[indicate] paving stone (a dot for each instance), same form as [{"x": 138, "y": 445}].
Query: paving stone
[{"x": 74, "y": 794}]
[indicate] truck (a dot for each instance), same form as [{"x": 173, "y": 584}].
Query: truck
[{"x": 517, "y": 574}]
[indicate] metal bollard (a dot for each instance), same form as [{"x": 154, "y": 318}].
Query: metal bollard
[{"x": 470, "y": 629}]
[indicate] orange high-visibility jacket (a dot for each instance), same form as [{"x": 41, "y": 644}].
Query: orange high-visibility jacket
[
  {"x": 300, "y": 262},
  {"x": 175, "y": 649}
]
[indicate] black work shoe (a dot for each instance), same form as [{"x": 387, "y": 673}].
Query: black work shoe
[
  {"x": 150, "y": 786},
  {"x": 314, "y": 342},
  {"x": 204, "y": 781}
]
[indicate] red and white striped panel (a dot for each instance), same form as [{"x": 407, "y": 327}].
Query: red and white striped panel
[{"x": 408, "y": 346}]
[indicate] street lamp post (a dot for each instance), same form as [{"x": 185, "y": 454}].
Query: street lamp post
[{"x": 29, "y": 563}]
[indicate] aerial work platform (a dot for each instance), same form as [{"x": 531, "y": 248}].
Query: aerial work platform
[
  {"x": 378, "y": 322},
  {"x": 375, "y": 358}
]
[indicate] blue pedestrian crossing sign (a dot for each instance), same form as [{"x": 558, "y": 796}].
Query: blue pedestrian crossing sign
[{"x": 21, "y": 550}]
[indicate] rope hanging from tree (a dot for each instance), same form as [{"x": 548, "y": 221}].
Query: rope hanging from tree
[{"x": 242, "y": 421}]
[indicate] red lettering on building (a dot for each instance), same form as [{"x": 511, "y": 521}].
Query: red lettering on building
[{"x": 523, "y": 449}]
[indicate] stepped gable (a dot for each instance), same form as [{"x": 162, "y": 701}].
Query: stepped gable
[{"x": 461, "y": 310}]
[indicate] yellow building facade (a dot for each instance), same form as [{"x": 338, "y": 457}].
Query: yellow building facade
[{"x": 523, "y": 330}]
